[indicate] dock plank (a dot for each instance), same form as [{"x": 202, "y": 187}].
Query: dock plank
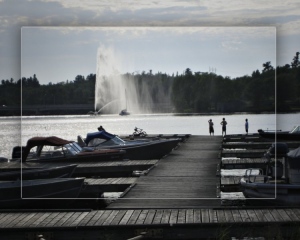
[
  {"x": 293, "y": 216},
  {"x": 236, "y": 215},
  {"x": 118, "y": 217},
  {"x": 197, "y": 216},
  {"x": 110, "y": 218},
  {"x": 25, "y": 220},
  {"x": 166, "y": 216},
  {"x": 149, "y": 217},
  {"x": 189, "y": 216},
  {"x": 158, "y": 216},
  {"x": 221, "y": 216},
  {"x": 181, "y": 216},
  {"x": 12, "y": 219},
  {"x": 142, "y": 217},
  {"x": 174, "y": 216},
  {"x": 205, "y": 216},
  {"x": 134, "y": 217},
  {"x": 94, "y": 218},
  {"x": 126, "y": 217},
  {"x": 104, "y": 217}
]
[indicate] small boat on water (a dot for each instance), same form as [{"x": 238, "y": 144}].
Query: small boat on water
[
  {"x": 281, "y": 184},
  {"x": 58, "y": 149},
  {"x": 124, "y": 112},
  {"x": 294, "y": 134},
  {"x": 20, "y": 193},
  {"x": 41, "y": 173},
  {"x": 141, "y": 149}
]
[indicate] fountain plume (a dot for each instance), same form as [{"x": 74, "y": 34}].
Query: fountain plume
[{"x": 113, "y": 89}]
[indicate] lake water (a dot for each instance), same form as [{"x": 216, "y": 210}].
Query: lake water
[{"x": 16, "y": 131}]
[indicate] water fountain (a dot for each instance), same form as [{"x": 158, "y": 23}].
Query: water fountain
[
  {"x": 110, "y": 85},
  {"x": 115, "y": 91}
]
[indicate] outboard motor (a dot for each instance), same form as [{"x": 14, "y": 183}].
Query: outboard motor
[
  {"x": 17, "y": 152},
  {"x": 278, "y": 149}
]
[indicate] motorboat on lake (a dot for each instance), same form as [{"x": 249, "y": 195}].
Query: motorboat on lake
[
  {"x": 39, "y": 173},
  {"x": 18, "y": 193},
  {"x": 294, "y": 134},
  {"x": 281, "y": 184},
  {"x": 124, "y": 112},
  {"x": 58, "y": 149},
  {"x": 140, "y": 149}
]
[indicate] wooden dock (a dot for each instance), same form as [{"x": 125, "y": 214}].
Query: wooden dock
[
  {"x": 151, "y": 223},
  {"x": 184, "y": 179},
  {"x": 175, "y": 198}
]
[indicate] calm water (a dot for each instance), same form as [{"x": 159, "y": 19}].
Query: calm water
[{"x": 16, "y": 132}]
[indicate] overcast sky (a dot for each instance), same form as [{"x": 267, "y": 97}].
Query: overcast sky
[{"x": 60, "y": 39}]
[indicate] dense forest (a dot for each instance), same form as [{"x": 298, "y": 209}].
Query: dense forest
[{"x": 189, "y": 92}]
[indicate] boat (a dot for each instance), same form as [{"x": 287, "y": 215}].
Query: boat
[
  {"x": 281, "y": 186},
  {"x": 141, "y": 149},
  {"x": 124, "y": 112},
  {"x": 40, "y": 173},
  {"x": 19, "y": 193},
  {"x": 42, "y": 149},
  {"x": 293, "y": 135}
]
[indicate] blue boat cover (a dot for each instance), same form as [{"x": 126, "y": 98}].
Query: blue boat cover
[{"x": 101, "y": 134}]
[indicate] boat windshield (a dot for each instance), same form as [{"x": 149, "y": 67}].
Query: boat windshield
[
  {"x": 295, "y": 130},
  {"x": 111, "y": 142},
  {"x": 72, "y": 148}
]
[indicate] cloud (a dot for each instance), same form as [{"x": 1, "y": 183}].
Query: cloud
[{"x": 183, "y": 13}]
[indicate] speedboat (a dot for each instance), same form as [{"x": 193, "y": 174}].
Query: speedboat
[
  {"x": 124, "y": 112},
  {"x": 281, "y": 185},
  {"x": 58, "y": 149},
  {"x": 294, "y": 134},
  {"x": 17, "y": 193},
  {"x": 40, "y": 173},
  {"x": 141, "y": 149}
]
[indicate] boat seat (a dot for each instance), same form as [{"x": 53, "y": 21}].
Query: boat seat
[{"x": 80, "y": 141}]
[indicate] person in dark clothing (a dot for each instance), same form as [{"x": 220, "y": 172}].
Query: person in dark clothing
[
  {"x": 246, "y": 126},
  {"x": 101, "y": 128},
  {"x": 223, "y": 123},
  {"x": 211, "y": 127}
]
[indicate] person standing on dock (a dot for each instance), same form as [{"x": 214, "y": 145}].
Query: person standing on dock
[
  {"x": 223, "y": 123},
  {"x": 246, "y": 126},
  {"x": 211, "y": 127}
]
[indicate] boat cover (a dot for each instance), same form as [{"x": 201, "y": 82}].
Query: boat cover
[
  {"x": 41, "y": 141},
  {"x": 294, "y": 153},
  {"x": 101, "y": 134}
]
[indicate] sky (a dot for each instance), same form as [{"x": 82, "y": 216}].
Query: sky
[{"x": 60, "y": 39}]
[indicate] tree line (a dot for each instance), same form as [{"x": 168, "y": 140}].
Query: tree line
[{"x": 189, "y": 92}]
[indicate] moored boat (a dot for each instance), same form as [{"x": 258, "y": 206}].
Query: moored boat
[
  {"x": 293, "y": 135},
  {"x": 124, "y": 112},
  {"x": 41, "y": 173},
  {"x": 17, "y": 193},
  {"x": 281, "y": 185},
  {"x": 141, "y": 149},
  {"x": 57, "y": 149}
]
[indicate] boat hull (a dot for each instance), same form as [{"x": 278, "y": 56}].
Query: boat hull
[
  {"x": 15, "y": 194},
  {"x": 147, "y": 150},
  {"x": 283, "y": 194},
  {"x": 103, "y": 155},
  {"x": 280, "y": 135},
  {"x": 55, "y": 172}
]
